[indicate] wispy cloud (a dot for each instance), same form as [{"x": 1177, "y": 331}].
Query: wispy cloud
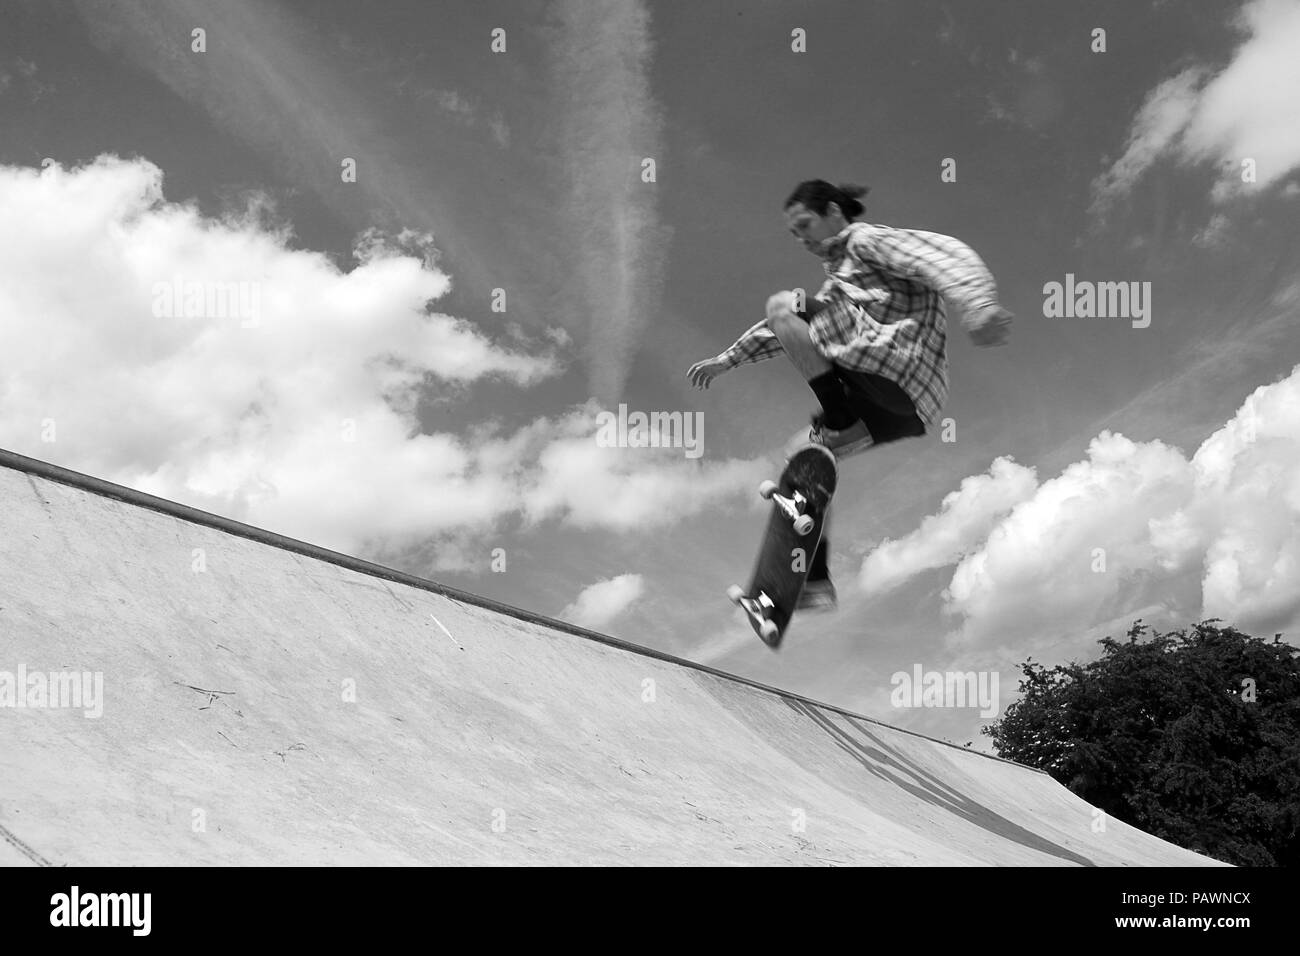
[
  {"x": 23, "y": 79},
  {"x": 456, "y": 104},
  {"x": 1245, "y": 111},
  {"x": 265, "y": 81},
  {"x": 254, "y": 80},
  {"x": 602, "y": 51},
  {"x": 1160, "y": 122}
]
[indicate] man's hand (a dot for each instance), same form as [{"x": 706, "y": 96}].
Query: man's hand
[
  {"x": 989, "y": 326},
  {"x": 702, "y": 373}
]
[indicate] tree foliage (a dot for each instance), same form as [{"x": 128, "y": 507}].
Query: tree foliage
[{"x": 1192, "y": 735}]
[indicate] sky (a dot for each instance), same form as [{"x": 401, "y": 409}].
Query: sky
[{"x": 374, "y": 275}]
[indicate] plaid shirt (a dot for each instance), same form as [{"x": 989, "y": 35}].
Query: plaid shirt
[{"x": 883, "y": 308}]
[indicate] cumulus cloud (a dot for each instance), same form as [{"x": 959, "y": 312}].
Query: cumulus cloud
[
  {"x": 1137, "y": 529},
  {"x": 192, "y": 325},
  {"x": 1246, "y": 110},
  {"x": 291, "y": 401},
  {"x": 1075, "y": 545},
  {"x": 965, "y": 518},
  {"x": 1248, "y": 511},
  {"x": 603, "y": 601}
]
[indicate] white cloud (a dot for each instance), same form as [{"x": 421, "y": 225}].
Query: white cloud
[
  {"x": 304, "y": 420},
  {"x": 964, "y": 520},
  {"x": 1037, "y": 570},
  {"x": 1155, "y": 130},
  {"x": 1247, "y": 110},
  {"x": 1135, "y": 529},
  {"x": 626, "y": 488},
  {"x": 603, "y": 601},
  {"x": 1248, "y": 511},
  {"x": 88, "y": 258}
]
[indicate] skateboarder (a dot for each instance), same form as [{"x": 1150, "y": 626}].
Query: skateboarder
[{"x": 872, "y": 343}]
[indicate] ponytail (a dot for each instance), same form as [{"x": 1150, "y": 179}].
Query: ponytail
[{"x": 818, "y": 194}]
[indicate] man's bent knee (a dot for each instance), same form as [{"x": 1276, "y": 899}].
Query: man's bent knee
[
  {"x": 783, "y": 303},
  {"x": 788, "y": 326}
]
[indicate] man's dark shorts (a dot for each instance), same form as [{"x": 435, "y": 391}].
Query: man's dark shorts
[
  {"x": 883, "y": 406},
  {"x": 881, "y": 403}
]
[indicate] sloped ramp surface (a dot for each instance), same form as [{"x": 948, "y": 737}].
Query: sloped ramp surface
[{"x": 266, "y": 704}]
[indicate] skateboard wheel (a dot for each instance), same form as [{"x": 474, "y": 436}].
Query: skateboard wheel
[
  {"x": 735, "y": 593},
  {"x": 803, "y": 524},
  {"x": 767, "y": 489},
  {"x": 768, "y": 631}
]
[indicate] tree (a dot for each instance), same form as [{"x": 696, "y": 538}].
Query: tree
[{"x": 1193, "y": 736}]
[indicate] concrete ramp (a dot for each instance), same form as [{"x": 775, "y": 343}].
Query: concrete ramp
[{"x": 268, "y": 702}]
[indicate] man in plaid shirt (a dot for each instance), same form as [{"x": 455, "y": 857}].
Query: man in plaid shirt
[{"x": 873, "y": 341}]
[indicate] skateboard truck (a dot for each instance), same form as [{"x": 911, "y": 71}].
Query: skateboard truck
[
  {"x": 759, "y": 607},
  {"x": 792, "y": 508}
]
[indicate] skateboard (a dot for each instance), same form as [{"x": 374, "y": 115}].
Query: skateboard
[{"x": 799, "y": 502}]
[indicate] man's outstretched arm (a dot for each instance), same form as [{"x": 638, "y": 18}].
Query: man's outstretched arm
[{"x": 756, "y": 345}]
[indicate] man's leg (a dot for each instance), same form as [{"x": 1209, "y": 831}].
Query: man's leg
[
  {"x": 792, "y": 332},
  {"x": 819, "y": 570},
  {"x": 818, "y": 591},
  {"x": 890, "y": 416}
]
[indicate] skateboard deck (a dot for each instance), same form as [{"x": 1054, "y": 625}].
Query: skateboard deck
[{"x": 794, "y": 529}]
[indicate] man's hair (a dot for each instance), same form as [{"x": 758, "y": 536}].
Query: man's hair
[{"x": 818, "y": 194}]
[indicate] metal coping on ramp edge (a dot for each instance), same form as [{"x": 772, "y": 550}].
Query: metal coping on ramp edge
[{"x": 131, "y": 496}]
